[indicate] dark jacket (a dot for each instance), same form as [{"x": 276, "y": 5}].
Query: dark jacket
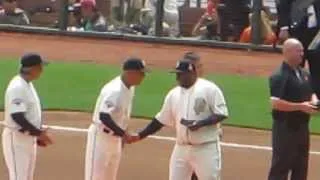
[{"x": 293, "y": 13}]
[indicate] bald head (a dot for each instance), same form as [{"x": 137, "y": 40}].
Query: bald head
[
  {"x": 293, "y": 51},
  {"x": 291, "y": 44}
]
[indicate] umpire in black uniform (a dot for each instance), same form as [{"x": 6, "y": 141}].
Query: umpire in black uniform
[
  {"x": 292, "y": 102},
  {"x": 301, "y": 19}
]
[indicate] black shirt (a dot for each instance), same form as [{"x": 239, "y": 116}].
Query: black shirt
[{"x": 293, "y": 86}]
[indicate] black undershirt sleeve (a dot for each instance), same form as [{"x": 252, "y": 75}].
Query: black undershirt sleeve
[
  {"x": 153, "y": 127},
  {"x": 214, "y": 119},
  {"x": 107, "y": 121},
  {"x": 20, "y": 119}
]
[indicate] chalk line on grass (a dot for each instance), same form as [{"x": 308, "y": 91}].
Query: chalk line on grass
[{"x": 165, "y": 138}]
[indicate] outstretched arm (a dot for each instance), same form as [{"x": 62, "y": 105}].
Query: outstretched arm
[
  {"x": 164, "y": 117},
  {"x": 153, "y": 127}
]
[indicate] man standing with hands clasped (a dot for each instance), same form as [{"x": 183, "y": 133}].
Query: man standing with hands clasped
[
  {"x": 23, "y": 121},
  {"x": 293, "y": 101}
]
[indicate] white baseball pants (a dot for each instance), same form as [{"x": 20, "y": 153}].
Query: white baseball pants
[
  {"x": 204, "y": 160},
  {"x": 103, "y": 155},
  {"x": 19, "y": 153}
]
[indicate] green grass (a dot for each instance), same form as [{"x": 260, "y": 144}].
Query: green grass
[{"x": 71, "y": 86}]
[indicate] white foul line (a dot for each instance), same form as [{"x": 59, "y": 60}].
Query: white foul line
[{"x": 233, "y": 145}]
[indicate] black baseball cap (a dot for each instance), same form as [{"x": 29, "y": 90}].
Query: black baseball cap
[
  {"x": 191, "y": 56},
  {"x": 32, "y": 59},
  {"x": 184, "y": 65},
  {"x": 135, "y": 64}
]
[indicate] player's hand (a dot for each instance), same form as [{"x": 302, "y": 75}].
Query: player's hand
[
  {"x": 308, "y": 108},
  {"x": 44, "y": 139},
  {"x": 283, "y": 35},
  {"x": 195, "y": 125},
  {"x": 129, "y": 139}
]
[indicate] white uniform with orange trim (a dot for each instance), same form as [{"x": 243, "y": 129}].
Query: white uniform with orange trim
[
  {"x": 199, "y": 150},
  {"x": 20, "y": 149},
  {"x": 104, "y": 149}
]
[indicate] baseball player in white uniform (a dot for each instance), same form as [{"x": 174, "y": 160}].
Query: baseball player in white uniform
[
  {"x": 195, "y": 59},
  {"x": 23, "y": 120},
  {"x": 193, "y": 108},
  {"x": 110, "y": 119}
]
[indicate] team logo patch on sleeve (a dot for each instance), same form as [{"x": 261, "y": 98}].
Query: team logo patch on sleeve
[
  {"x": 199, "y": 105},
  {"x": 17, "y": 101}
]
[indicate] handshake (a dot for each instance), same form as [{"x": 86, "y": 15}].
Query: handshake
[{"x": 131, "y": 138}]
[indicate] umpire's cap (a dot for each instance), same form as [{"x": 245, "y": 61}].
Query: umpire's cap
[
  {"x": 32, "y": 59},
  {"x": 184, "y": 65},
  {"x": 135, "y": 64}
]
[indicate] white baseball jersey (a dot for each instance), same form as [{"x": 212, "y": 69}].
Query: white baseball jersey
[
  {"x": 200, "y": 101},
  {"x": 19, "y": 149},
  {"x": 115, "y": 99},
  {"x": 22, "y": 97},
  {"x": 104, "y": 150}
]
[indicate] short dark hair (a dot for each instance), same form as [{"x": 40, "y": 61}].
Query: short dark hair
[{"x": 192, "y": 56}]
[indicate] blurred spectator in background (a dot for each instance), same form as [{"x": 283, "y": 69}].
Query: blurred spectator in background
[
  {"x": 193, "y": 3},
  {"x": 93, "y": 20},
  {"x": 170, "y": 16},
  {"x": 146, "y": 18},
  {"x": 301, "y": 20},
  {"x": 90, "y": 19},
  {"x": 234, "y": 18},
  {"x": 268, "y": 36},
  {"x": 75, "y": 10},
  {"x": 208, "y": 26},
  {"x": 129, "y": 14},
  {"x": 11, "y": 14}
]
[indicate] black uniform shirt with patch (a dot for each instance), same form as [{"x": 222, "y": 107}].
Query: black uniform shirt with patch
[{"x": 285, "y": 84}]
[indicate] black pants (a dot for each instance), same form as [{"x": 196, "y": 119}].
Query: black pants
[
  {"x": 314, "y": 66},
  {"x": 306, "y": 35},
  {"x": 290, "y": 152}
]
